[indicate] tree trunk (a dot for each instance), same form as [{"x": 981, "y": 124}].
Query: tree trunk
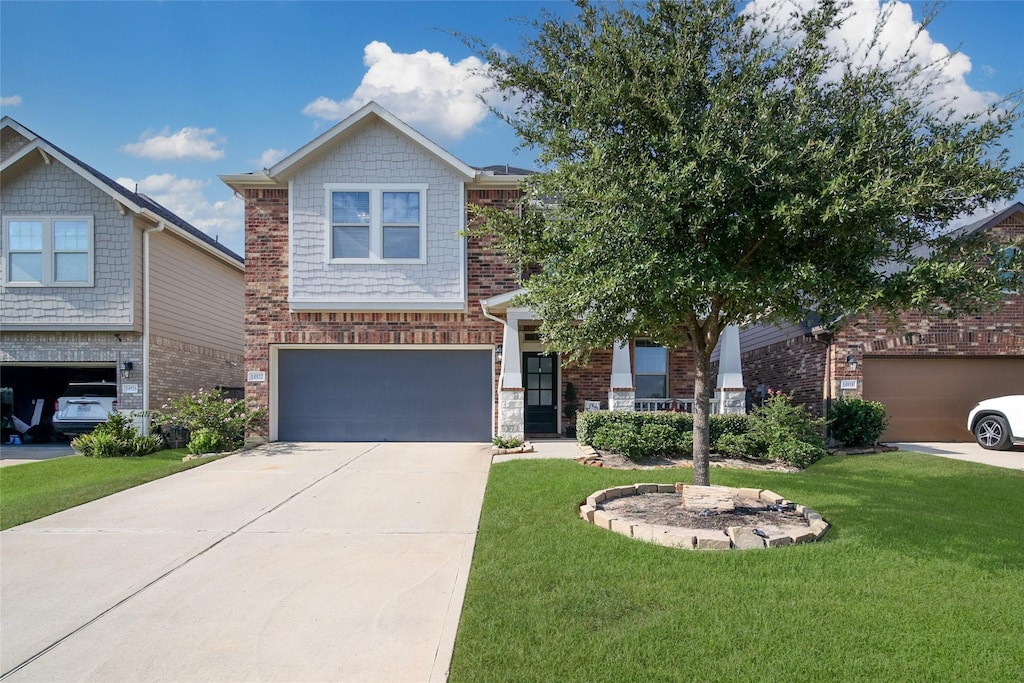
[{"x": 701, "y": 410}]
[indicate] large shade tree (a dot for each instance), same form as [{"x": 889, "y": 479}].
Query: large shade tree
[{"x": 705, "y": 166}]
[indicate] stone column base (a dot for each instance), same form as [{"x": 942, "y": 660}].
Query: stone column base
[
  {"x": 622, "y": 399},
  {"x": 732, "y": 401},
  {"x": 511, "y": 414}
]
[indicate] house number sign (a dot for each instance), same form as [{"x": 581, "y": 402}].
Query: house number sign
[
  {"x": 848, "y": 384},
  {"x": 256, "y": 376}
]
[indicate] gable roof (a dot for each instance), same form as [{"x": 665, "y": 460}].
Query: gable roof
[
  {"x": 133, "y": 201},
  {"x": 990, "y": 221},
  {"x": 278, "y": 174}
]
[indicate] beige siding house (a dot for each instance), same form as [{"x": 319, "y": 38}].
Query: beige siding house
[{"x": 99, "y": 283}]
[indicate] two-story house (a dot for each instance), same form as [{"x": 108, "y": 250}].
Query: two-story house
[
  {"x": 100, "y": 283},
  {"x": 370, "y": 315}
]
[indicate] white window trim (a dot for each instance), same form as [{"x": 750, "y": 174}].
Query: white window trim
[
  {"x": 649, "y": 344},
  {"x": 48, "y": 252},
  {"x": 376, "y": 191}
]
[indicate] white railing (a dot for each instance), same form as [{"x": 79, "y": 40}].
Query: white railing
[{"x": 680, "y": 405}]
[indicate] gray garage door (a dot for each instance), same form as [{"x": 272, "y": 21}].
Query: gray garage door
[{"x": 384, "y": 395}]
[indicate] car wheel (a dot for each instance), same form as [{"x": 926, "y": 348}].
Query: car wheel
[{"x": 993, "y": 433}]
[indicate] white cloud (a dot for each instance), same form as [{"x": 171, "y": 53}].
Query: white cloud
[
  {"x": 12, "y": 101},
  {"x": 186, "y": 197},
  {"x": 900, "y": 36},
  {"x": 187, "y": 143},
  {"x": 424, "y": 89},
  {"x": 271, "y": 156}
]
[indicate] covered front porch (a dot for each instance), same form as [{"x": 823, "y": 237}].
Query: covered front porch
[{"x": 533, "y": 392}]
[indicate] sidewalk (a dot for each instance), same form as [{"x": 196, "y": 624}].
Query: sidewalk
[{"x": 564, "y": 449}]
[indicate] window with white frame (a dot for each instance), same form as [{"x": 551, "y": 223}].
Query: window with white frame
[
  {"x": 49, "y": 251},
  {"x": 651, "y": 370},
  {"x": 376, "y": 223}
]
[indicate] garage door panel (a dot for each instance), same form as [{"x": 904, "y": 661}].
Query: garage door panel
[
  {"x": 384, "y": 395},
  {"x": 928, "y": 399}
]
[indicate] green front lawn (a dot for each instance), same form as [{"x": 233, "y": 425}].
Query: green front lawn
[
  {"x": 37, "y": 489},
  {"x": 921, "y": 578}
]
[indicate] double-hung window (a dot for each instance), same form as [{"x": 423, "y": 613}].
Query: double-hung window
[
  {"x": 53, "y": 251},
  {"x": 651, "y": 376},
  {"x": 377, "y": 223}
]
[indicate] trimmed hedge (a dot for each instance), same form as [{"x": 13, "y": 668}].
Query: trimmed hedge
[
  {"x": 641, "y": 434},
  {"x": 856, "y": 422}
]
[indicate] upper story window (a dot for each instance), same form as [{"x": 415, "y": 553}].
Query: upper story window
[
  {"x": 377, "y": 223},
  {"x": 49, "y": 251},
  {"x": 1008, "y": 276},
  {"x": 651, "y": 374}
]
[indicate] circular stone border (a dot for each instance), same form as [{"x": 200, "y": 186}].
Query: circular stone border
[{"x": 735, "y": 537}]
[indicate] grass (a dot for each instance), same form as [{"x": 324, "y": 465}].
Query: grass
[
  {"x": 37, "y": 489},
  {"x": 921, "y": 578}
]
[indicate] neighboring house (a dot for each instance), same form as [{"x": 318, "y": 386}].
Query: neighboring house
[
  {"x": 100, "y": 283},
  {"x": 371, "y": 316},
  {"x": 929, "y": 372}
]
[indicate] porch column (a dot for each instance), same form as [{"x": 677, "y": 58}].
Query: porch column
[
  {"x": 622, "y": 394},
  {"x": 732, "y": 395},
  {"x": 511, "y": 399}
]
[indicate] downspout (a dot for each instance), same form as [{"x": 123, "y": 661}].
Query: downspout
[
  {"x": 145, "y": 314},
  {"x": 496, "y": 427}
]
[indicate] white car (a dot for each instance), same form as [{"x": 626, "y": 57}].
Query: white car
[
  {"x": 998, "y": 423},
  {"x": 83, "y": 406}
]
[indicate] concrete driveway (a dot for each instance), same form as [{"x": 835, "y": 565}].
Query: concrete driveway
[
  {"x": 292, "y": 562},
  {"x": 970, "y": 451}
]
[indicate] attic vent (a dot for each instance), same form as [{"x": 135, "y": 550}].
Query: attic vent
[{"x": 532, "y": 336}]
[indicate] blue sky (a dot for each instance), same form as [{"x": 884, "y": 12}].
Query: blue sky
[{"x": 169, "y": 95}]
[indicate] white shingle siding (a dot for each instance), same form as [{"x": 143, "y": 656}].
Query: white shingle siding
[
  {"x": 377, "y": 154},
  {"x": 55, "y": 190}
]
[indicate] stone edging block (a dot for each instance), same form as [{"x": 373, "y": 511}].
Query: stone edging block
[{"x": 742, "y": 538}]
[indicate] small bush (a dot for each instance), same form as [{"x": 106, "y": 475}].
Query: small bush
[
  {"x": 588, "y": 423},
  {"x": 506, "y": 442},
  {"x": 115, "y": 438},
  {"x": 207, "y": 441},
  {"x": 723, "y": 425},
  {"x": 733, "y": 446},
  {"x": 210, "y": 410},
  {"x": 778, "y": 431},
  {"x": 856, "y": 422}
]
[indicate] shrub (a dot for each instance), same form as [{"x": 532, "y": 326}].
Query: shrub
[
  {"x": 778, "y": 431},
  {"x": 588, "y": 423},
  {"x": 856, "y": 422},
  {"x": 618, "y": 438},
  {"x": 723, "y": 425},
  {"x": 506, "y": 442},
  {"x": 210, "y": 410},
  {"x": 207, "y": 441},
  {"x": 115, "y": 438}
]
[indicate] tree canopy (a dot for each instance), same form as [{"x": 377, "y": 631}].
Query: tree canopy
[{"x": 706, "y": 165}]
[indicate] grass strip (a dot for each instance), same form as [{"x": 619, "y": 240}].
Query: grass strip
[
  {"x": 37, "y": 489},
  {"x": 919, "y": 579}
]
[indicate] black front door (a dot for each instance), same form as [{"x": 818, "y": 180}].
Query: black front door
[{"x": 541, "y": 397}]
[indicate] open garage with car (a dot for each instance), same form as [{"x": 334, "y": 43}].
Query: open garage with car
[
  {"x": 30, "y": 394},
  {"x": 381, "y": 394}
]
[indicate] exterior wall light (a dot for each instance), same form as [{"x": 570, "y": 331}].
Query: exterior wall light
[
  {"x": 126, "y": 369},
  {"x": 851, "y": 362},
  {"x": 498, "y": 351}
]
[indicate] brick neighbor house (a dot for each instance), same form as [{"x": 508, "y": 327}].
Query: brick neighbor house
[
  {"x": 928, "y": 372},
  {"x": 100, "y": 283},
  {"x": 371, "y": 316}
]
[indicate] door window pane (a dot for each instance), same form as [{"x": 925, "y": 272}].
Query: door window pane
[
  {"x": 71, "y": 267},
  {"x": 533, "y": 398},
  {"x": 545, "y": 398},
  {"x": 545, "y": 381},
  {"x": 26, "y": 267},
  {"x": 532, "y": 364},
  {"x": 545, "y": 363},
  {"x": 401, "y": 242},
  {"x": 351, "y": 242}
]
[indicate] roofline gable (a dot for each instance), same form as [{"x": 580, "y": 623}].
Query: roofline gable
[
  {"x": 995, "y": 219},
  {"x": 335, "y": 134}
]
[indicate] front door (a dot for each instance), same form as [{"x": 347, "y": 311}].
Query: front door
[{"x": 541, "y": 398}]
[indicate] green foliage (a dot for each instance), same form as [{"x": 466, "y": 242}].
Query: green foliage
[
  {"x": 713, "y": 166},
  {"x": 588, "y": 423},
  {"x": 115, "y": 438},
  {"x": 506, "y": 442},
  {"x": 721, "y": 426},
  {"x": 856, "y": 422},
  {"x": 210, "y": 412},
  {"x": 570, "y": 396},
  {"x": 207, "y": 441},
  {"x": 778, "y": 431}
]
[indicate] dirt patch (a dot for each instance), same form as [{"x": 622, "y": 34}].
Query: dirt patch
[
  {"x": 621, "y": 462},
  {"x": 666, "y": 509}
]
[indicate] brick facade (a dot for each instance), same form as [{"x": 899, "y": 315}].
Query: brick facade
[
  {"x": 178, "y": 367},
  {"x": 813, "y": 370}
]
